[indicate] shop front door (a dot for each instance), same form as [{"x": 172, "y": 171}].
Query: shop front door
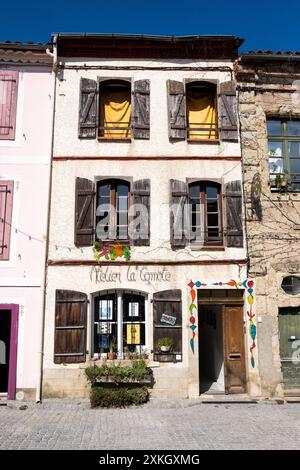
[
  {"x": 8, "y": 350},
  {"x": 289, "y": 333}
]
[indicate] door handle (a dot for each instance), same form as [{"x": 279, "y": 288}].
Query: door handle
[{"x": 234, "y": 356}]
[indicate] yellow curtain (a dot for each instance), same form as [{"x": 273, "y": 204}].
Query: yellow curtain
[
  {"x": 115, "y": 112},
  {"x": 201, "y": 112},
  {"x": 133, "y": 333}
]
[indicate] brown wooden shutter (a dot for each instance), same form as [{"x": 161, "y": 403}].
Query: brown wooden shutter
[
  {"x": 234, "y": 211},
  {"x": 228, "y": 111},
  {"x": 141, "y": 109},
  {"x": 168, "y": 303},
  {"x": 8, "y": 103},
  {"x": 84, "y": 212},
  {"x": 70, "y": 327},
  {"x": 176, "y": 110},
  {"x": 6, "y": 204},
  {"x": 178, "y": 219},
  {"x": 88, "y": 109},
  {"x": 141, "y": 195}
]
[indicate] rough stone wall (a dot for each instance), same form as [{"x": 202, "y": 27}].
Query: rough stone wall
[{"x": 272, "y": 223}]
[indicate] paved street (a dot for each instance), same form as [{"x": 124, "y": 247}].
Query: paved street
[{"x": 185, "y": 424}]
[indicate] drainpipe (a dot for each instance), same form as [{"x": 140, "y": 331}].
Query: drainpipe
[{"x": 42, "y": 324}]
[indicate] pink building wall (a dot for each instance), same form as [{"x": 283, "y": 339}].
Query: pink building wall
[{"x": 26, "y": 161}]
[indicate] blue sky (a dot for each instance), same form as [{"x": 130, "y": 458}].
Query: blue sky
[{"x": 264, "y": 24}]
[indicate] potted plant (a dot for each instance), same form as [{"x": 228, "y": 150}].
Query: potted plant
[
  {"x": 112, "y": 349},
  {"x": 282, "y": 181},
  {"x": 165, "y": 344}
]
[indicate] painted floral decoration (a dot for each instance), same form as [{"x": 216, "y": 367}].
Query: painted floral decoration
[{"x": 110, "y": 252}]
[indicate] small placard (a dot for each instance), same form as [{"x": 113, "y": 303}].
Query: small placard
[
  {"x": 168, "y": 319},
  {"x": 133, "y": 309}
]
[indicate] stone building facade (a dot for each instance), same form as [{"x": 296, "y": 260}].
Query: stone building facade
[
  {"x": 269, "y": 113},
  {"x": 170, "y": 286}
]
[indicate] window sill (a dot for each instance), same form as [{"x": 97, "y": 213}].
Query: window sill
[
  {"x": 205, "y": 141},
  {"x": 114, "y": 139},
  {"x": 114, "y": 242},
  {"x": 207, "y": 247}
]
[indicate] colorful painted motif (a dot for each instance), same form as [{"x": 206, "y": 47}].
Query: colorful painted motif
[
  {"x": 110, "y": 252},
  {"x": 248, "y": 285}
]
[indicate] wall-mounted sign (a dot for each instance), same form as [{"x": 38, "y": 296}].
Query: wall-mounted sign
[
  {"x": 168, "y": 319},
  {"x": 129, "y": 274}
]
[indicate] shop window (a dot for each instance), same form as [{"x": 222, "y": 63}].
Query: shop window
[
  {"x": 167, "y": 323},
  {"x": 284, "y": 154},
  {"x": 291, "y": 285},
  {"x": 112, "y": 210},
  {"x": 119, "y": 323},
  {"x": 205, "y": 213}
]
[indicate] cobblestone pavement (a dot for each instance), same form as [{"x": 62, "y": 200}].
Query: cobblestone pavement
[{"x": 180, "y": 424}]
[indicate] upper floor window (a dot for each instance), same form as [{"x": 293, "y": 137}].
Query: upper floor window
[
  {"x": 201, "y": 111},
  {"x": 284, "y": 153},
  {"x": 8, "y": 103},
  {"x": 112, "y": 210},
  {"x": 114, "y": 109},
  {"x": 206, "y": 213},
  {"x": 6, "y": 204},
  {"x": 198, "y": 113},
  {"x": 198, "y": 218}
]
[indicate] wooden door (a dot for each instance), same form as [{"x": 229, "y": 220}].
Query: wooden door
[
  {"x": 289, "y": 331},
  {"x": 234, "y": 349}
]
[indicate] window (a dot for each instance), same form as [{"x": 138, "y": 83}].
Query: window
[
  {"x": 8, "y": 104},
  {"x": 291, "y": 285},
  {"x": 115, "y": 110},
  {"x": 119, "y": 322},
  {"x": 197, "y": 111},
  {"x": 201, "y": 112},
  {"x": 284, "y": 153},
  {"x": 112, "y": 210},
  {"x": 6, "y": 203},
  {"x": 205, "y": 213}
]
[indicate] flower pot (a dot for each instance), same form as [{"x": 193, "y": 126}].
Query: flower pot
[
  {"x": 165, "y": 349},
  {"x": 111, "y": 356}
]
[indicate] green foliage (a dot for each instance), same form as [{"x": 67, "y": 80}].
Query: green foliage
[
  {"x": 166, "y": 341},
  {"x": 118, "y": 374},
  {"x": 118, "y": 397}
]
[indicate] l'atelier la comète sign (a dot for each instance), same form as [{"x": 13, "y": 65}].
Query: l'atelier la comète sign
[{"x": 131, "y": 274}]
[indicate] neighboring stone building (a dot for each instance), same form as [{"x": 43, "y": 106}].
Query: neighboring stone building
[
  {"x": 269, "y": 108},
  {"x": 26, "y": 117},
  {"x": 152, "y": 121}
]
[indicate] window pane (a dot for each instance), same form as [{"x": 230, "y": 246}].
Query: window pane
[
  {"x": 294, "y": 149},
  {"x": 293, "y": 127},
  {"x": 274, "y": 127},
  {"x": 122, "y": 218},
  {"x": 122, "y": 233},
  {"x": 212, "y": 220},
  {"x": 195, "y": 191},
  {"x": 276, "y": 165},
  {"x": 122, "y": 190},
  {"x": 275, "y": 148},
  {"x": 104, "y": 189},
  {"x": 212, "y": 232},
  {"x": 212, "y": 206},
  {"x": 122, "y": 203},
  {"x": 211, "y": 191},
  {"x": 295, "y": 165}
]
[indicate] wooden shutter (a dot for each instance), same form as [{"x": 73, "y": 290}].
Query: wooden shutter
[
  {"x": 176, "y": 110},
  {"x": 234, "y": 224},
  {"x": 228, "y": 111},
  {"x": 6, "y": 204},
  {"x": 84, "y": 212},
  {"x": 141, "y": 195},
  {"x": 141, "y": 109},
  {"x": 70, "y": 327},
  {"x": 178, "y": 219},
  {"x": 166, "y": 304},
  {"x": 88, "y": 109},
  {"x": 8, "y": 103}
]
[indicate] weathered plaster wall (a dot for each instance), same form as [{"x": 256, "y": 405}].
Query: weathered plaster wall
[{"x": 273, "y": 240}]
